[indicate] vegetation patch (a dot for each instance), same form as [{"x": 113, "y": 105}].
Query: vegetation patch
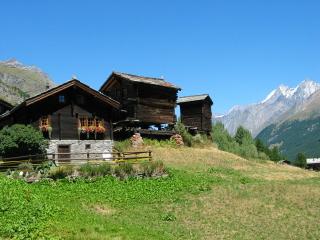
[{"x": 122, "y": 171}]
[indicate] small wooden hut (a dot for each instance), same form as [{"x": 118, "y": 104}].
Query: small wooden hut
[
  {"x": 195, "y": 112},
  {"x": 145, "y": 101}
]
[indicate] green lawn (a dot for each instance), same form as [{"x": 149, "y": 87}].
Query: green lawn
[{"x": 209, "y": 195}]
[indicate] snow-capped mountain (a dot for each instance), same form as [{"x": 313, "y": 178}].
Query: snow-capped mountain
[{"x": 278, "y": 105}]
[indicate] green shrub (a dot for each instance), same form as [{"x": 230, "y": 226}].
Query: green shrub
[
  {"x": 169, "y": 217},
  {"x": 201, "y": 140},
  {"x": 45, "y": 167},
  {"x": 87, "y": 170},
  {"x": 263, "y": 156},
  {"x": 105, "y": 169},
  {"x": 90, "y": 170},
  {"x": 60, "y": 172},
  {"x": 122, "y": 146},
  {"x": 25, "y": 167},
  {"x": 124, "y": 170},
  {"x": 248, "y": 151},
  {"x": 243, "y": 136},
  {"x": 301, "y": 160},
  {"x": 159, "y": 143},
  {"x": 155, "y": 168},
  {"x": 242, "y": 144},
  {"x": 21, "y": 140},
  {"x": 186, "y": 136},
  {"x": 275, "y": 155}
]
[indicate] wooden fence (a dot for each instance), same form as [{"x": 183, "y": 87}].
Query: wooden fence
[{"x": 76, "y": 159}]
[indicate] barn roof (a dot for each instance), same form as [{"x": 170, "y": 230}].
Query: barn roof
[
  {"x": 5, "y": 103},
  {"x": 70, "y": 84},
  {"x": 141, "y": 79},
  {"x": 194, "y": 98}
]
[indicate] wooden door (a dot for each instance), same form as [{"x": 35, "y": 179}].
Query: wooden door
[{"x": 64, "y": 153}]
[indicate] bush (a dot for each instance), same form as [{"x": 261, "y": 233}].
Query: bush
[
  {"x": 89, "y": 170},
  {"x": 159, "y": 143},
  {"x": 223, "y": 139},
  {"x": 122, "y": 146},
  {"x": 21, "y": 140},
  {"x": 25, "y": 167},
  {"x": 301, "y": 160},
  {"x": 186, "y": 136},
  {"x": 242, "y": 144},
  {"x": 45, "y": 167},
  {"x": 60, "y": 172},
  {"x": 243, "y": 136},
  {"x": 104, "y": 169},
  {"x": 124, "y": 170},
  {"x": 248, "y": 151},
  {"x": 156, "y": 168},
  {"x": 275, "y": 155}
]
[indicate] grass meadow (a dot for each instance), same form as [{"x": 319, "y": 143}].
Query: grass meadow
[{"x": 210, "y": 194}]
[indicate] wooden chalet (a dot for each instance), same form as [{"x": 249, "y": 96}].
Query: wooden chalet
[
  {"x": 195, "y": 112},
  {"x": 4, "y": 106},
  {"x": 73, "y": 116},
  {"x": 145, "y": 101}
]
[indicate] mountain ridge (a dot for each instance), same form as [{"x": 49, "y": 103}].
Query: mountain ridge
[
  {"x": 19, "y": 81},
  {"x": 298, "y": 132},
  {"x": 279, "y": 104}
]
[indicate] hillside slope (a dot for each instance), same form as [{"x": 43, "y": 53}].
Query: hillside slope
[
  {"x": 209, "y": 195},
  {"x": 299, "y": 132},
  {"x": 18, "y": 81}
]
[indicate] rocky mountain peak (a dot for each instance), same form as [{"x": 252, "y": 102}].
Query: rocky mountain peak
[
  {"x": 19, "y": 81},
  {"x": 279, "y": 104},
  {"x": 306, "y": 88}
]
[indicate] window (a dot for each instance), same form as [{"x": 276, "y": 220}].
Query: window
[
  {"x": 91, "y": 128},
  {"x": 88, "y": 146},
  {"x": 44, "y": 121},
  {"x": 83, "y": 122},
  {"x": 61, "y": 99},
  {"x": 91, "y": 122},
  {"x": 45, "y": 127}
]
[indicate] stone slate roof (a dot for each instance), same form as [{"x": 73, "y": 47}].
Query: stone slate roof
[
  {"x": 141, "y": 79},
  {"x": 193, "y": 98}
]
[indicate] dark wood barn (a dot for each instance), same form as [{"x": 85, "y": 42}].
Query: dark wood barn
[
  {"x": 4, "y": 106},
  {"x": 195, "y": 112},
  {"x": 145, "y": 101},
  {"x": 70, "y": 111}
]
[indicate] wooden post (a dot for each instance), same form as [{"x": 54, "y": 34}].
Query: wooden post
[{"x": 150, "y": 155}]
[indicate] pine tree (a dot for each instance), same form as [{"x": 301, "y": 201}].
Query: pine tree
[
  {"x": 301, "y": 160},
  {"x": 243, "y": 136}
]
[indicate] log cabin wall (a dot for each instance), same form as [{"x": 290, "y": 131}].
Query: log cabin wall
[
  {"x": 196, "y": 113},
  {"x": 148, "y": 103},
  {"x": 155, "y": 104},
  {"x": 191, "y": 114},
  {"x": 206, "y": 117}
]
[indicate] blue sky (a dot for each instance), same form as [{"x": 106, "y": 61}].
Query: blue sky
[{"x": 237, "y": 51}]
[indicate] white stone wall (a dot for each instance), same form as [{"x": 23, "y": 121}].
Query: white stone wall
[{"x": 103, "y": 147}]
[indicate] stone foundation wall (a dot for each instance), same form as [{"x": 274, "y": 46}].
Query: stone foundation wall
[{"x": 85, "y": 147}]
